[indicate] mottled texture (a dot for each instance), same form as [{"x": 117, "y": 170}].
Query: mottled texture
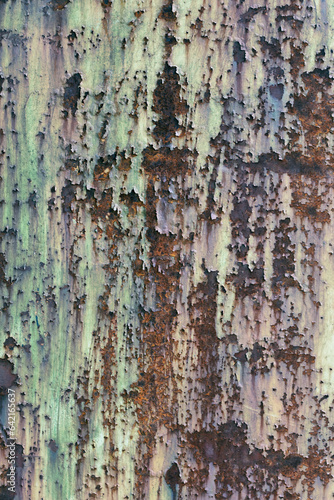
[{"x": 166, "y": 248}]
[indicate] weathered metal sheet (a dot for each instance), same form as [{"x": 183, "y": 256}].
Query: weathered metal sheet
[{"x": 166, "y": 260}]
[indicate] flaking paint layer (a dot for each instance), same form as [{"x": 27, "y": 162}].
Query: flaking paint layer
[{"x": 166, "y": 259}]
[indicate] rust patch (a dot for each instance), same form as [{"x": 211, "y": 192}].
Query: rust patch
[
  {"x": 68, "y": 194},
  {"x": 102, "y": 208},
  {"x": 284, "y": 257},
  {"x": 293, "y": 356},
  {"x": 314, "y": 107},
  {"x": 168, "y": 103},
  {"x": 202, "y": 312},
  {"x": 272, "y": 48},
  {"x": 10, "y": 343},
  {"x": 203, "y": 307},
  {"x": 125, "y": 163},
  {"x": 247, "y": 281},
  {"x": 308, "y": 203},
  {"x": 152, "y": 391},
  {"x": 59, "y": 4},
  {"x": 294, "y": 163},
  {"x": 132, "y": 201},
  {"x": 53, "y": 446},
  {"x": 277, "y": 91},
  {"x": 7, "y": 377},
  {"x": 103, "y": 167},
  {"x": 4, "y": 493},
  {"x": 297, "y": 61},
  {"x": 3, "y": 264},
  {"x": 227, "y": 447},
  {"x": 167, "y": 13},
  {"x": 239, "y": 54},
  {"x": 173, "y": 478},
  {"x": 248, "y": 16},
  {"x": 72, "y": 94},
  {"x": 167, "y": 162},
  {"x": 100, "y": 200}
]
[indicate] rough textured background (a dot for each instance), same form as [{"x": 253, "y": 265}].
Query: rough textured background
[{"x": 166, "y": 265}]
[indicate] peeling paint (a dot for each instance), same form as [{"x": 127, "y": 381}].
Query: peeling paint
[{"x": 166, "y": 254}]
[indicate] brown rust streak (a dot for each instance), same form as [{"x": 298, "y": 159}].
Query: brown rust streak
[
  {"x": 155, "y": 362},
  {"x": 161, "y": 280}
]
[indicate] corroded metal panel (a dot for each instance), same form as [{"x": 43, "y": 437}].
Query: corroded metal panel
[{"x": 166, "y": 260}]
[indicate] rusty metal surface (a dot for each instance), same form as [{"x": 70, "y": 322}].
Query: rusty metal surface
[{"x": 166, "y": 260}]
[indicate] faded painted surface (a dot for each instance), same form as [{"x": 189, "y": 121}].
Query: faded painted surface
[{"x": 166, "y": 261}]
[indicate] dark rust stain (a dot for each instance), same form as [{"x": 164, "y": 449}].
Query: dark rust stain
[
  {"x": 227, "y": 447},
  {"x": 4, "y": 493},
  {"x": 168, "y": 104},
  {"x": 103, "y": 167},
  {"x": 239, "y": 54},
  {"x": 167, "y": 13},
  {"x": 173, "y": 478},
  {"x": 284, "y": 256},
  {"x": 10, "y": 343},
  {"x": 167, "y": 162},
  {"x": 248, "y": 16},
  {"x": 59, "y": 4},
  {"x": 68, "y": 194},
  {"x": 277, "y": 91},
  {"x": 53, "y": 446},
  {"x": 308, "y": 202},
  {"x": 7, "y": 377},
  {"x": 294, "y": 163},
  {"x": 72, "y": 94}
]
